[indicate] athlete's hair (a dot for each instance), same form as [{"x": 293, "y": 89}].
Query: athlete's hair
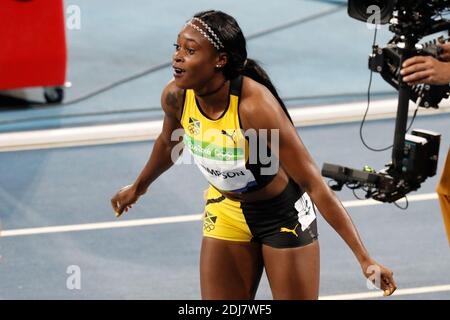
[{"x": 234, "y": 45}]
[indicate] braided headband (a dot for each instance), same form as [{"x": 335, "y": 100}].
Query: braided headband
[{"x": 214, "y": 40}]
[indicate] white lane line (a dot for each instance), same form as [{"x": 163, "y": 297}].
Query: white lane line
[
  {"x": 379, "y": 294},
  {"x": 166, "y": 220},
  {"x": 149, "y": 130},
  {"x": 99, "y": 225}
]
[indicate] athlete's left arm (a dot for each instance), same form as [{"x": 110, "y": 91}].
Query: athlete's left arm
[{"x": 261, "y": 110}]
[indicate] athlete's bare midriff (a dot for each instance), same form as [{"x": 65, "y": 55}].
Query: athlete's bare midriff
[{"x": 274, "y": 188}]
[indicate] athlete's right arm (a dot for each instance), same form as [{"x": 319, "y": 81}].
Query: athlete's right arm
[{"x": 161, "y": 156}]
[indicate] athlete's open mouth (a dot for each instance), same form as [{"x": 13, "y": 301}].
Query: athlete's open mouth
[{"x": 178, "y": 72}]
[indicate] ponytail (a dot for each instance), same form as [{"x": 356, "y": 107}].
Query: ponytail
[{"x": 254, "y": 71}]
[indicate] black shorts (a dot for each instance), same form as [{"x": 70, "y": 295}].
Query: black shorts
[{"x": 285, "y": 221}]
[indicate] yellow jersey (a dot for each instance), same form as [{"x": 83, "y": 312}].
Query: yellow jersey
[{"x": 220, "y": 148}]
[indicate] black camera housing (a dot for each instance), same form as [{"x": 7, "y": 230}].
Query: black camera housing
[
  {"x": 418, "y": 12},
  {"x": 360, "y": 9}
]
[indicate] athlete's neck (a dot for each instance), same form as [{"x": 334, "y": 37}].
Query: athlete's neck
[
  {"x": 214, "y": 100},
  {"x": 211, "y": 92}
]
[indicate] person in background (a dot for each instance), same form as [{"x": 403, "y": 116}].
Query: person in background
[{"x": 428, "y": 70}]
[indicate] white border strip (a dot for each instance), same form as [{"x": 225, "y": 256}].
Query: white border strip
[
  {"x": 140, "y": 131},
  {"x": 80, "y": 136},
  {"x": 165, "y": 220},
  {"x": 379, "y": 294}
]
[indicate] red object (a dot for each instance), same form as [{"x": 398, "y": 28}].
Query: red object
[{"x": 32, "y": 43}]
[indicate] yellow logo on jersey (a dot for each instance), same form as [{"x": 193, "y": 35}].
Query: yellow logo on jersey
[{"x": 283, "y": 229}]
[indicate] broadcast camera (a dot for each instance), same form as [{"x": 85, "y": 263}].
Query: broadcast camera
[{"x": 415, "y": 155}]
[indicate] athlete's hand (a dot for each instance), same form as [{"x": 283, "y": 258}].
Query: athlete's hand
[
  {"x": 380, "y": 276},
  {"x": 124, "y": 200}
]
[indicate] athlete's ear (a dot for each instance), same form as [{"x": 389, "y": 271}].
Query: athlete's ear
[{"x": 222, "y": 60}]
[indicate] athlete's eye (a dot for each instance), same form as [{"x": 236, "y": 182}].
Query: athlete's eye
[
  {"x": 177, "y": 46},
  {"x": 190, "y": 51}
]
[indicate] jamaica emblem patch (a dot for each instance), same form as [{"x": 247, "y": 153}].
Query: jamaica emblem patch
[
  {"x": 194, "y": 126},
  {"x": 209, "y": 221}
]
